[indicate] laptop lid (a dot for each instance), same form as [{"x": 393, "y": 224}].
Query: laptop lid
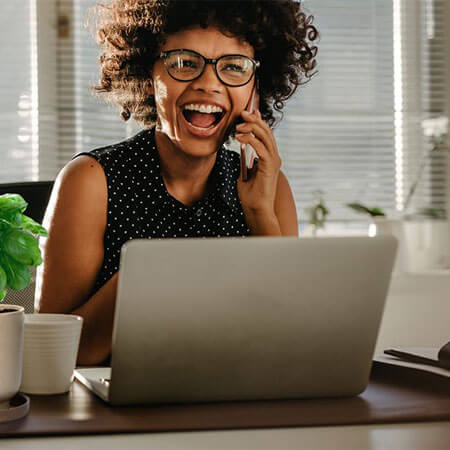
[{"x": 212, "y": 319}]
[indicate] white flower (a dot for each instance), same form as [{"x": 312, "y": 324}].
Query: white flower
[{"x": 435, "y": 127}]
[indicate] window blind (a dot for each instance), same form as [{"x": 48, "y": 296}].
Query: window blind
[
  {"x": 355, "y": 131},
  {"x": 338, "y": 133},
  {"x": 85, "y": 122},
  {"x": 421, "y": 85},
  {"x": 18, "y": 92}
]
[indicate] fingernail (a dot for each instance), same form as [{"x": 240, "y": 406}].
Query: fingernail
[{"x": 246, "y": 113}]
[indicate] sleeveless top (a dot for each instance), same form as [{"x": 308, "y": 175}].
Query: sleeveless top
[{"x": 139, "y": 205}]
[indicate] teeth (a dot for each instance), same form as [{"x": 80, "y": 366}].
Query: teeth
[{"x": 204, "y": 108}]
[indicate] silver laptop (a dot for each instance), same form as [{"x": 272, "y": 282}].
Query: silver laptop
[{"x": 207, "y": 319}]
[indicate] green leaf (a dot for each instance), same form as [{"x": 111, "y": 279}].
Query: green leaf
[
  {"x": 7, "y": 225},
  {"x": 12, "y": 202},
  {"x": 23, "y": 247},
  {"x": 18, "y": 275},
  {"x": 10, "y": 219},
  {"x": 13, "y": 217},
  {"x": 32, "y": 226},
  {"x": 3, "y": 278},
  {"x": 2, "y": 295},
  {"x": 376, "y": 212},
  {"x": 358, "y": 207}
]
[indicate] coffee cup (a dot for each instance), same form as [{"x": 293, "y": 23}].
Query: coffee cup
[{"x": 50, "y": 352}]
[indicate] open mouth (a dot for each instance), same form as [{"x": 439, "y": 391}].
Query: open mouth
[{"x": 203, "y": 121}]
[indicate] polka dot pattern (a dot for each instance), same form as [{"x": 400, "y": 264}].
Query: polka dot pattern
[{"x": 139, "y": 205}]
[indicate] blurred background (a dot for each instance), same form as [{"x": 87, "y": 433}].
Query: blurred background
[{"x": 358, "y": 132}]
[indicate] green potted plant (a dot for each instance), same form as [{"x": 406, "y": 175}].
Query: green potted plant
[
  {"x": 317, "y": 214},
  {"x": 19, "y": 249},
  {"x": 374, "y": 213}
]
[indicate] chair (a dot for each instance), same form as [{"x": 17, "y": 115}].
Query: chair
[{"x": 37, "y": 195}]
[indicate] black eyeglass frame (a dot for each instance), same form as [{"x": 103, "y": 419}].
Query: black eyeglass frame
[{"x": 164, "y": 54}]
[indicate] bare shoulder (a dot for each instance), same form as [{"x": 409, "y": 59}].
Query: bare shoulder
[
  {"x": 76, "y": 221},
  {"x": 82, "y": 172},
  {"x": 80, "y": 186},
  {"x": 285, "y": 208}
]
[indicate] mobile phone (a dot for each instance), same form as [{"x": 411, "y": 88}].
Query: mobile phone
[{"x": 247, "y": 153}]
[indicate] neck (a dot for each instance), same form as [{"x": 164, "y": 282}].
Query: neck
[{"x": 185, "y": 176}]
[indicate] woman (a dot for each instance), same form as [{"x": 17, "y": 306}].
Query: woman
[{"x": 167, "y": 64}]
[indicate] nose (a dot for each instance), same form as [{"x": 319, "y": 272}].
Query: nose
[{"x": 208, "y": 80}]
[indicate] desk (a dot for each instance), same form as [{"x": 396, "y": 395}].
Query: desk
[{"x": 424, "y": 297}]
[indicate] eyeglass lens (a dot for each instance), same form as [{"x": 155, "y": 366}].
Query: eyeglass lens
[{"x": 233, "y": 70}]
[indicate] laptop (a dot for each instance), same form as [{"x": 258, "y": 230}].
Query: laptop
[{"x": 207, "y": 319}]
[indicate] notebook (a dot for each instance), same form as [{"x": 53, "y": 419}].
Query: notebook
[
  {"x": 427, "y": 359},
  {"x": 208, "y": 319}
]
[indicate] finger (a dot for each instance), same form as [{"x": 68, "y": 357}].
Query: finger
[
  {"x": 265, "y": 159},
  {"x": 257, "y": 131},
  {"x": 268, "y": 129},
  {"x": 255, "y": 117},
  {"x": 257, "y": 120}
]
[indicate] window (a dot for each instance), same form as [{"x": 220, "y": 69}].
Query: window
[
  {"x": 18, "y": 92},
  {"x": 354, "y": 131},
  {"x": 85, "y": 122}
]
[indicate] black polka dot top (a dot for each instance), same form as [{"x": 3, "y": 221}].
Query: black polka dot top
[{"x": 139, "y": 205}]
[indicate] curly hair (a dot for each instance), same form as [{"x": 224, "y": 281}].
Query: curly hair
[{"x": 132, "y": 32}]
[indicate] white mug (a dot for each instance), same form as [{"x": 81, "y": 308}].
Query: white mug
[
  {"x": 50, "y": 352},
  {"x": 11, "y": 347}
]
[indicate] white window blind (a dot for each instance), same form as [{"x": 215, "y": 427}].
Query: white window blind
[
  {"x": 422, "y": 88},
  {"x": 85, "y": 122},
  {"x": 338, "y": 132},
  {"x": 18, "y": 92},
  {"x": 342, "y": 132}
]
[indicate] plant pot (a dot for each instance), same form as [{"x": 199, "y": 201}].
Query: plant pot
[
  {"x": 393, "y": 227},
  {"x": 11, "y": 349}
]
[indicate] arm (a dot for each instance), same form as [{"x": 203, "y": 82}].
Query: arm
[
  {"x": 73, "y": 255},
  {"x": 285, "y": 209},
  {"x": 282, "y": 221}
]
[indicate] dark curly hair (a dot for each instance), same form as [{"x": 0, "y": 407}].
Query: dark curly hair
[{"x": 132, "y": 32}]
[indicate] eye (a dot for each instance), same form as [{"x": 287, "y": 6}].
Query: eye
[
  {"x": 234, "y": 68},
  {"x": 185, "y": 63},
  {"x": 189, "y": 63}
]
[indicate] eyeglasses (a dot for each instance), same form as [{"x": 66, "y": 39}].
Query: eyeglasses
[{"x": 187, "y": 65}]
